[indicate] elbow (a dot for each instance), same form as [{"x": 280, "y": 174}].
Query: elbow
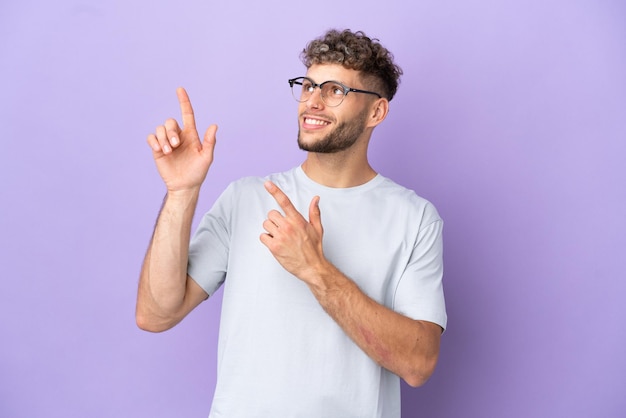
[
  {"x": 421, "y": 371},
  {"x": 416, "y": 380},
  {"x": 145, "y": 325},
  {"x": 149, "y": 324},
  {"x": 422, "y": 361}
]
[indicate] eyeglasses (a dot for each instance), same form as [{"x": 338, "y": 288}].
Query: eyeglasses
[{"x": 332, "y": 92}]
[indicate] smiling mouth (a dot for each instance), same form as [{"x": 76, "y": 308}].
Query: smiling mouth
[{"x": 317, "y": 122}]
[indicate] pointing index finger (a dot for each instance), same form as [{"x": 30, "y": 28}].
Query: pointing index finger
[
  {"x": 189, "y": 120},
  {"x": 282, "y": 199}
]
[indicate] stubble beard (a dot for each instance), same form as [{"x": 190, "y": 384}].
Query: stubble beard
[{"x": 340, "y": 139}]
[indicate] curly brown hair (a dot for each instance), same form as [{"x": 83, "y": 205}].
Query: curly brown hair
[{"x": 354, "y": 50}]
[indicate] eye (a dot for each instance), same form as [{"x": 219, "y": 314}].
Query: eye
[
  {"x": 307, "y": 86},
  {"x": 336, "y": 90}
]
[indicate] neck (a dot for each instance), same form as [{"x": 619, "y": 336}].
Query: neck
[{"x": 338, "y": 170}]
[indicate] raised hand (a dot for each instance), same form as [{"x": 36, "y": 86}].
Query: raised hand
[
  {"x": 182, "y": 160},
  {"x": 295, "y": 242}
]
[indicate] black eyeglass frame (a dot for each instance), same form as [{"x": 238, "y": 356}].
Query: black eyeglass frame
[{"x": 346, "y": 89}]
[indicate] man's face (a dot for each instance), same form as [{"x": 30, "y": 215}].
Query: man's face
[{"x": 325, "y": 129}]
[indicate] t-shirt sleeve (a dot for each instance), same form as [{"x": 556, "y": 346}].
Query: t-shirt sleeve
[
  {"x": 419, "y": 294},
  {"x": 208, "y": 250}
]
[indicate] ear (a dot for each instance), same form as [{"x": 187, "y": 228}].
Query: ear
[{"x": 379, "y": 111}]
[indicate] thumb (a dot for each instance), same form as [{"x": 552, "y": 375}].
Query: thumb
[
  {"x": 315, "y": 216},
  {"x": 208, "y": 143}
]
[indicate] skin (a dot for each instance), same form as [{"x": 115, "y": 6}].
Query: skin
[
  {"x": 342, "y": 137},
  {"x": 166, "y": 294}
]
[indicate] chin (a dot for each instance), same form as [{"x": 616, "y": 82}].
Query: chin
[
  {"x": 306, "y": 141},
  {"x": 305, "y": 146}
]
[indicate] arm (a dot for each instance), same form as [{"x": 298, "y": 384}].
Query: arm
[
  {"x": 166, "y": 293},
  {"x": 406, "y": 347}
]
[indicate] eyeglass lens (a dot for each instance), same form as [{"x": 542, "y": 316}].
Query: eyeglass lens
[{"x": 332, "y": 92}]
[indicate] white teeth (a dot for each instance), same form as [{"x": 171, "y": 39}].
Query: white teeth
[{"x": 310, "y": 121}]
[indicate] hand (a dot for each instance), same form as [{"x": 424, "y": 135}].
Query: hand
[
  {"x": 295, "y": 242},
  {"x": 182, "y": 160}
]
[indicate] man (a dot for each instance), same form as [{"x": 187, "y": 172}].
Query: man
[{"x": 332, "y": 272}]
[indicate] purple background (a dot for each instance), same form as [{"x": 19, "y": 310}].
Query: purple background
[{"x": 511, "y": 118}]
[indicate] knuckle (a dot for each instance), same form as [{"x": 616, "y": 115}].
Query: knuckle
[
  {"x": 171, "y": 123},
  {"x": 274, "y": 214}
]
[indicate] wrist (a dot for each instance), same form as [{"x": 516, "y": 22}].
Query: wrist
[
  {"x": 328, "y": 281},
  {"x": 191, "y": 193},
  {"x": 180, "y": 201}
]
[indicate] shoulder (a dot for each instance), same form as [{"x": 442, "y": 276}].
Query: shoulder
[
  {"x": 403, "y": 200},
  {"x": 251, "y": 188},
  {"x": 255, "y": 181}
]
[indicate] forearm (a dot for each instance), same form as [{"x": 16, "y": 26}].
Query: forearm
[
  {"x": 400, "y": 344},
  {"x": 163, "y": 279}
]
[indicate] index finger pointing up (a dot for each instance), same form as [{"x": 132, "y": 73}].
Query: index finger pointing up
[{"x": 189, "y": 120}]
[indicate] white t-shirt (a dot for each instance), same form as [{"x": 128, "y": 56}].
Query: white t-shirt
[{"x": 279, "y": 354}]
